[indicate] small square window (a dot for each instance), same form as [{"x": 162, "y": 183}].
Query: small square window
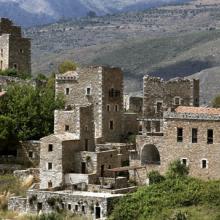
[
  {"x": 88, "y": 91},
  {"x": 184, "y": 161},
  {"x": 50, "y": 166},
  {"x": 83, "y": 209},
  {"x": 30, "y": 154},
  {"x": 67, "y": 92},
  {"x": 69, "y": 206},
  {"x": 204, "y": 164},
  {"x": 67, "y": 127},
  {"x": 15, "y": 66},
  {"x": 50, "y": 147}
]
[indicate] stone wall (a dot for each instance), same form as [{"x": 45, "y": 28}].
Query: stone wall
[
  {"x": 160, "y": 96},
  {"x": 133, "y": 104},
  {"x": 28, "y": 153},
  {"x": 15, "y": 51},
  {"x": 17, "y": 204},
  {"x": 81, "y": 203},
  {"x": 103, "y": 88},
  {"x": 58, "y": 150},
  {"x": 24, "y": 174}
]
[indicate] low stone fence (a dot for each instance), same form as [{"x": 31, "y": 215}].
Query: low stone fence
[
  {"x": 23, "y": 174},
  {"x": 17, "y": 204}
]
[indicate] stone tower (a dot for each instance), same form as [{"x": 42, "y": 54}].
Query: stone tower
[
  {"x": 103, "y": 88},
  {"x": 15, "y": 50}
]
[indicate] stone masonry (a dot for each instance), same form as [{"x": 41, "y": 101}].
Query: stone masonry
[
  {"x": 15, "y": 50},
  {"x": 103, "y": 88}
]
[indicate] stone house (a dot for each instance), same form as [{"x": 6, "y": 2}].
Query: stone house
[
  {"x": 160, "y": 96},
  {"x": 190, "y": 134},
  {"x": 15, "y": 50},
  {"x": 103, "y": 88}
]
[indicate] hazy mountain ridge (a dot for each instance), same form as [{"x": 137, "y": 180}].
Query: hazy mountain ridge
[
  {"x": 170, "y": 41},
  {"x": 35, "y": 12}
]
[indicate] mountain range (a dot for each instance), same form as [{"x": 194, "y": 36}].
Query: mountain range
[{"x": 39, "y": 12}]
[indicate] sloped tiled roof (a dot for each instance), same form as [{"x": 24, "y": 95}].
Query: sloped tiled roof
[{"x": 198, "y": 110}]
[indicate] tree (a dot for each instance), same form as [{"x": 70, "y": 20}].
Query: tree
[
  {"x": 216, "y": 102},
  {"x": 31, "y": 109},
  {"x": 67, "y": 66}
]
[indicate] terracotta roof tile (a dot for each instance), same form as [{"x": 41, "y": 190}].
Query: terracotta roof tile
[{"x": 198, "y": 110}]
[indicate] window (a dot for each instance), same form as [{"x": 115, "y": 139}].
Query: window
[
  {"x": 69, "y": 206},
  {"x": 179, "y": 134},
  {"x": 209, "y": 136},
  {"x": 111, "y": 125},
  {"x": 157, "y": 126},
  {"x": 67, "y": 127},
  {"x": 108, "y": 108},
  {"x": 15, "y": 66},
  {"x": 83, "y": 209},
  {"x": 30, "y": 154},
  {"x": 50, "y": 184},
  {"x": 50, "y": 147},
  {"x": 184, "y": 161},
  {"x": 204, "y": 164},
  {"x": 86, "y": 144},
  {"x": 148, "y": 126},
  {"x": 76, "y": 208},
  {"x": 116, "y": 108},
  {"x": 114, "y": 93},
  {"x": 194, "y": 135},
  {"x": 88, "y": 91},
  {"x": 86, "y": 128},
  {"x": 50, "y": 166},
  {"x": 177, "y": 101},
  {"x": 21, "y": 51},
  {"x": 2, "y": 53},
  {"x": 67, "y": 91},
  {"x": 159, "y": 106}
]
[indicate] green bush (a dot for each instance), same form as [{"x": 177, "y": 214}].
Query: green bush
[
  {"x": 177, "y": 169},
  {"x": 155, "y": 177}
]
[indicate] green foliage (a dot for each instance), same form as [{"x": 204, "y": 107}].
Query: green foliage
[
  {"x": 216, "y": 102},
  {"x": 28, "y": 112},
  {"x": 177, "y": 169},
  {"x": 166, "y": 198},
  {"x": 14, "y": 73},
  {"x": 40, "y": 77},
  {"x": 67, "y": 66},
  {"x": 155, "y": 177}
]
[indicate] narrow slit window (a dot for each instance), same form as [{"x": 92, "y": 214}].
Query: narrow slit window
[
  {"x": 209, "y": 136},
  {"x": 194, "y": 135},
  {"x": 179, "y": 134}
]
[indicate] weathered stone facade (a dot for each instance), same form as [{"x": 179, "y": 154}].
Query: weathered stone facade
[
  {"x": 103, "y": 88},
  {"x": 190, "y": 134},
  {"x": 15, "y": 50},
  {"x": 95, "y": 205},
  {"x": 133, "y": 104},
  {"x": 160, "y": 96}
]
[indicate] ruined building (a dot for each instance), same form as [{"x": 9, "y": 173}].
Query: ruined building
[
  {"x": 15, "y": 50},
  {"x": 160, "y": 96}
]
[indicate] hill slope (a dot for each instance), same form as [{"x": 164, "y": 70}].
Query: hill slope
[
  {"x": 35, "y": 12},
  {"x": 170, "y": 41}
]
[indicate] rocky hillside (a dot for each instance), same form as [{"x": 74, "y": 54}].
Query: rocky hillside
[
  {"x": 35, "y": 12},
  {"x": 171, "y": 41}
]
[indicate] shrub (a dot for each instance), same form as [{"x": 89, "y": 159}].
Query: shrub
[
  {"x": 155, "y": 177},
  {"x": 177, "y": 169}
]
